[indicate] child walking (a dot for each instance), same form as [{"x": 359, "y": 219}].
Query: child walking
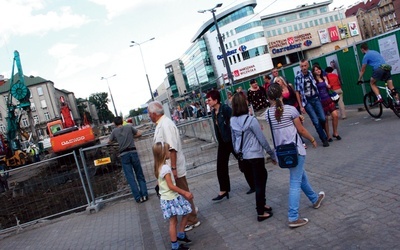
[{"x": 173, "y": 200}]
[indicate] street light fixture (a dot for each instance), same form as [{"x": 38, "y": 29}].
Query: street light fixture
[
  {"x": 221, "y": 43},
  {"x": 341, "y": 22},
  {"x": 112, "y": 99},
  {"x": 141, "y": 53}
]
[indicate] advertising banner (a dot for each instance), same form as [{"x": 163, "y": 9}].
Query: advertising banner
[
  {"x": 323, "y": 36},
  {"x": 353, "y": 29}
]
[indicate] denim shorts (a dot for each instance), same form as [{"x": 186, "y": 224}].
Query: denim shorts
[{"x": 381, "y": 75}]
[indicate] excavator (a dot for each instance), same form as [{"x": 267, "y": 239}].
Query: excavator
[{"x": 14, "y": 155}]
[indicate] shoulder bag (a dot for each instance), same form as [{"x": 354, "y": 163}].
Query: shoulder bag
[
  {"x": 286, "y": 154},
  {"x": 239, "y": 155}
]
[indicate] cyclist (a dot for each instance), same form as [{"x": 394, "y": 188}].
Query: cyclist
[{"x": 381, "y": 72}]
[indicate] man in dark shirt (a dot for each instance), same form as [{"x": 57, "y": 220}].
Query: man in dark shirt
[{"x": 129, "y": 158}]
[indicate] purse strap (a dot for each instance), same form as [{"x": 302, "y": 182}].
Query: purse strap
[
  {"x": 272, "y": 132},
  {"x": 241, "y": 141}
]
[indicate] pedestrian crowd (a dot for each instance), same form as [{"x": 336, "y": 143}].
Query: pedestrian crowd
[{"x": 277, "y": 100}]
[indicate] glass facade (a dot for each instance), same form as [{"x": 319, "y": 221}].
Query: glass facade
[{"x": 246, "y": 11}]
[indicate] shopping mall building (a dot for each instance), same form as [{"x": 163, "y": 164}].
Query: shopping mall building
[{"x": 254, "y": 45}]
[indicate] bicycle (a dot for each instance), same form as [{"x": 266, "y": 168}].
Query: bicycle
[{"x": 375, "y": 109}]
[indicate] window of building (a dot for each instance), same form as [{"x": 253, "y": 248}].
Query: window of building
[
  {"x": 227, "y": 34},
  {"x": 47, "y": 116},
  {"x": 39, "y": 91},
  {"x": 36, "y": 119},
  {"x": 300, "y": 26},
  {"x": 226, "y": 46},
  {"x": 331, "y": 19},
  {"x": 169, "y": 69},
  {"x": 323, "y": 9},
  {"x": 234, "y": 43},
  {"x": 306, "y": 25},
  {"x": 311, "y": 24},
  {"x": 245, "y": 55},
  {"x": 321, "y": 20},
  {"x": 290, "y": 28},
  {"x": 269, "y": 22},
  {"x": 2, "y": 128},
  {"x": 295, "y": 27},
  {"x": 238, "y": 57},
  {"x": 279, "y": 31},
  {"x": 274, "y": 32},
  {"x": 230, "y": 45},
  {"x": 24, "y": 122},
  {"x": 284, "y": 29},
  {"x": 250, "y": 37},
  {"x": 43, "y": 104},
  {"x": 316, "y": 22},
  {"x": 336, "y": 18},
  {"x": 33, "y": 107},
  {"x": 234, "y": 59},
  {"x": 232, "y": 33},
  {"x": 230, "y": 60}
]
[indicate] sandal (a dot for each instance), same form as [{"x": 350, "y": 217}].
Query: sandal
[{"x": 265, "y": 216}]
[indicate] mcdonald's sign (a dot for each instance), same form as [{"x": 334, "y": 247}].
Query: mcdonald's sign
[{"x": 333, "y": 33}]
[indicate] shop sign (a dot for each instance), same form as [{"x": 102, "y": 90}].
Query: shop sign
[
  {"x": 353, "y": 29},
  {"x": 286, "y": 48},
  {"x": 323, "y": 36},
  {"x": 333, "y": 33},
  {"x": 244, "y": 71},
  {"x": 242, "y": 48}
]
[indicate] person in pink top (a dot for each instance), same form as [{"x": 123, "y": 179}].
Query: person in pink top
[{"x": 334, "y": 82}]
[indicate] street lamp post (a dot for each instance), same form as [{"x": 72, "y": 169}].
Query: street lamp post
[
  {"x": 141, "y": 53},
  {"x": 109, "y": 90},
  {"x": 221, "y": 43},
  {"x": 341, "y": 22}
]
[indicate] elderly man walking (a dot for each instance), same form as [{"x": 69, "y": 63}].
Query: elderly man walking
[{"x": 166, "y": 131}]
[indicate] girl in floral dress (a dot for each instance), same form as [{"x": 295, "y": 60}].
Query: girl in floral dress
[{"x": 173, "y": 200}]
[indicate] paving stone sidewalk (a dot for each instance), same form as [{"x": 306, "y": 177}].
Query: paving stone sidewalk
[{"x": 359, "y": 174}]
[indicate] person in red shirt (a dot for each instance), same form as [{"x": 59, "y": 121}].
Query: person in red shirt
[{"x": 336, "y": 86}]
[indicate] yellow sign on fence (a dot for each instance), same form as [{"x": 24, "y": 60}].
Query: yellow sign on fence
[{"x": 102, "y": 161}]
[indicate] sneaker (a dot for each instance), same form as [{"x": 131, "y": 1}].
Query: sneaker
[
  {"x": 321, "y": 197},
  {"x": 181, "y": 247},
  {"x": 144, "y": 199},
  {"x": 325, "y": 143},
  {"x": 298, "y": 223},
  {"x": 377, "y": 102},
  {"x": 185, "y": 239},
  {"x": 140, "y": 200},
  {"x": 188, "y": 228}
]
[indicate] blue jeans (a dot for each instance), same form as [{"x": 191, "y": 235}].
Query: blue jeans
[
  {"x": 299, "y": 180},
  {"x": 130, "y": 162},
  {"x": 316, "y": 113}
]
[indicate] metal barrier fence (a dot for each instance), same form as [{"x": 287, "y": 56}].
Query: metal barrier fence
[
  {"x": 65, "y": 184},
  {"x": 41, "y": 190}
]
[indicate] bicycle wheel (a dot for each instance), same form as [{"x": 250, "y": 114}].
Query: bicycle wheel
[
  {"x": 394, "y": 107},
  {"x": 373, "y": 110}
]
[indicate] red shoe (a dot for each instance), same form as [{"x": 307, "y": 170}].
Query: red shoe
[{"x": 377, "y": 102}]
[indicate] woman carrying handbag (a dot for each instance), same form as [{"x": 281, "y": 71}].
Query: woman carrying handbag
[
  {"x": 285, "y": 124},
  {"x": 254, "y": 143}
]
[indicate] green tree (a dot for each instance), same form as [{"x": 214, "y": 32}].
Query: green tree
[
  {"x": 136, "y": 112},
  {"x": 100, "y": 101}
]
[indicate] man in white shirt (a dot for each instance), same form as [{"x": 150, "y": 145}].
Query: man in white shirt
[{"x": 166, "y": 131}]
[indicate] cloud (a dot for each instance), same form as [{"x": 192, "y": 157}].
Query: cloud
[
  {"x": 29, "y": 17},
  {"x": 70, "y": 64}
]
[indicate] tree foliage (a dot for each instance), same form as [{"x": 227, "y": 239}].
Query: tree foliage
[
  {"x": 139, "y": 111},
  {"x": 100, "y": 101}
]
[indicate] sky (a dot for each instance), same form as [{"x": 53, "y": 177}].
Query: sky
[{"x": 77, "y": 43}]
